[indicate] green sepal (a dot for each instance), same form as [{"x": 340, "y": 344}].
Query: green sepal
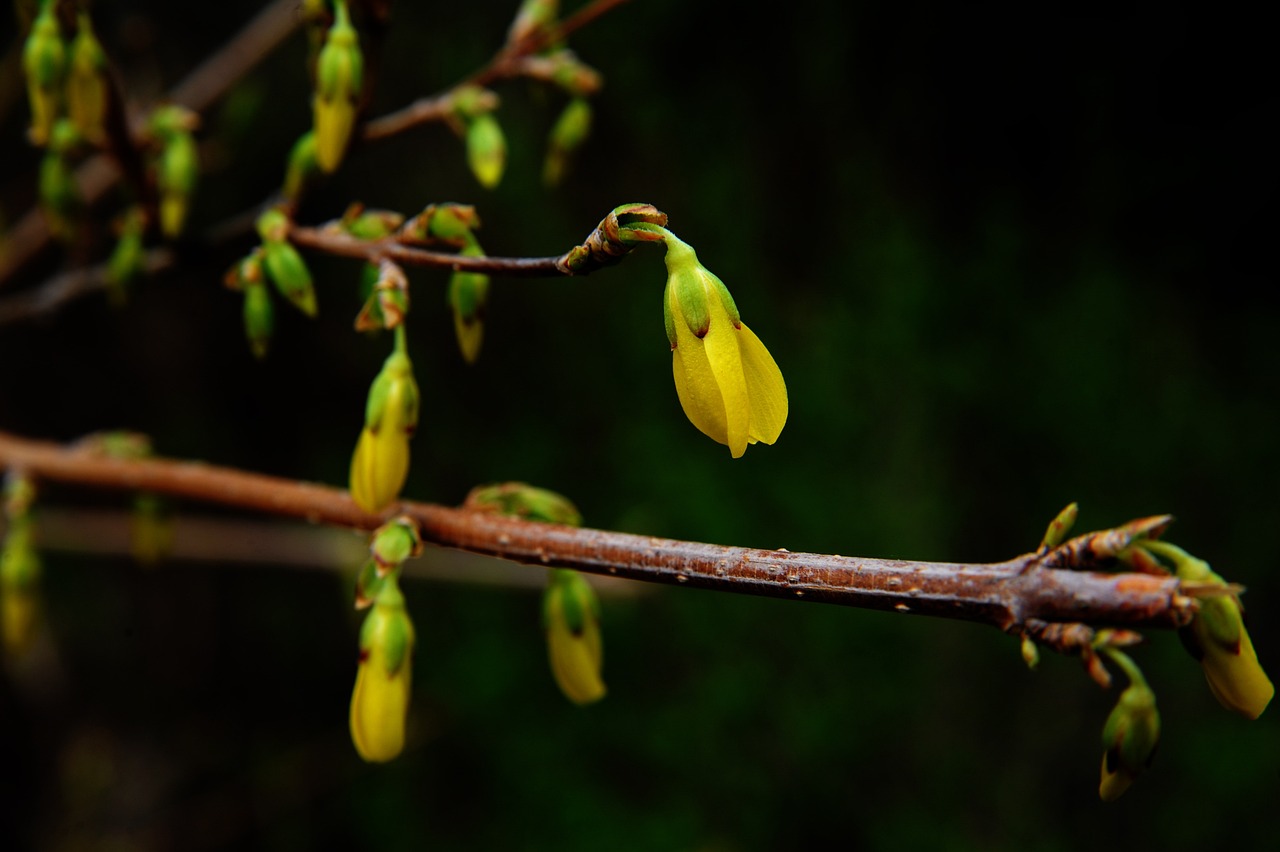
[
  {"x": 394, "y": 542},
  {"x": 397, "y": 368},
  {"x": 388, "y": 624},
  {"x": 368, "y": 585},
  {"x": 340, "y": 66},
  {"x": 1220, "y": 617},
  {"x": 450, "y": 223}
]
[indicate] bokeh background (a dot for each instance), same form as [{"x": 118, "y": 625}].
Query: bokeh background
[{"x": 1006, "y": 258}]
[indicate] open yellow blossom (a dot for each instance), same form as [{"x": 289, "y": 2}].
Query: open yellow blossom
[
  {"x": 384, "y": 680},
  {"x": 728, "y": 383}
]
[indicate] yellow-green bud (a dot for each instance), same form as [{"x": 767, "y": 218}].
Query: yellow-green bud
[
  {"x": 60, "y": 198},
  {"x": 447, "y": 223},
  {"x": 126, "y": 261},
  {"x": 19, "y": 586},
  {"x": 87, "y": 83},
  {"x": 370, "y": 224},
  {"x": 1060, "y": 526},
  {"x": 339, "y": 77},
  {"x": 1130, "y": 736},
  {"x": 518, "y": 500},
  {"x": 486, "y": 150},
  {"x": 571, "y": 619},
  {"x": 259, "y": 318},
  {"x": 300, "y": 166},
  {"x": 384, "y": 677},
  {"x": 44, "y": 60},
  {"x": 532, "y": 16},
  {"x": 567, "y": 135},
  {"x": 381, "y": 460},
  {"x": 468, "y": 297},
  {"x": 394, "y": 542},
  {"x": 288, "y": 271},
  {"x": 176, "y": 171}
]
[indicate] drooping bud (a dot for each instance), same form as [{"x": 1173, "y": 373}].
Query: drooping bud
[
  {"x": 571, "y": 618},
  {"x": 339, "y": 78},
  {"x": 1130, "y": 736},
  {"x": 60, "y": 198},
  {"x": 87, "y": 83},
  {"x": 284, "y": 265},
  {"x": 384, "y": 677},
  {"x": 1217, "y": 636},
  {"x": 301, "y": 166},
  {"x": 567, "y": 135},
  {"x": 259, "y": 318},
  {"x": 126, "y": 261},
  {"x": 486, "y": 150},
  {"x": 381, "y": 460},
  {"x": 388, "y": 299},
  {"x": 468, "y": 297},
  {"x": 177, "y": 166},
  {"x": 19, "y": 569},
  {"x": 44, "y": 60}
]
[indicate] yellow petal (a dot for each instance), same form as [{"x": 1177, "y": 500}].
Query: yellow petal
[
  {"x": 1113, "y": 784},
  {"x": 696, "y": 383},
  {"x": 721, "y": 345},
  {"x": 1237, "y": 679},
  {"x": 379, "y": 707},
  {"x": 765, "y": 387},
  {"x": 576, "y": 660}
]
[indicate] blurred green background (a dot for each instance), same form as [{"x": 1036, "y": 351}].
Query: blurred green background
[{"x": 1006, "y": 258}]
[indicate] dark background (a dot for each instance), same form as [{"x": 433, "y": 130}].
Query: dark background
[{"x": 1005, "y": 257}]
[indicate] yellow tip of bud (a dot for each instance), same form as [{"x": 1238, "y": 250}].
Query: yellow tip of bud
[{"x": 574, "y": 647}]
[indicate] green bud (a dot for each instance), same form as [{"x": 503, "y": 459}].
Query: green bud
[
  {"x": 370, "y": 224},
  {"x": 176, "y": 172},
  {"x": 259, "y": 318},
  {"x": 468, "y": 297},
  {"x": 44, "y": 60},
  {"x": 468, "y": 102},
  {"x": 19, "y": 570},
  {"x": 288, "y": 271},
  {"x": 486, "y": 150},
  {"x": 126, "y": 261},
  {"x": 388, "y": 299},
  {"x": 60, "y": 198},
  {"x": 518, "y": 500},
  {"x": 448, "y": 223},
  {"x": 339, "y": 78},
  {"x": 567, "y": 135},
  {"x": 301, "y": 166},
  {"x": 1130, "y": 735},
  {"x": 273, "y": 225},
  {"x": 394, "y": 542},
  {"x": 1060, "y": 526},
  {"x": 87, "y": 83},
  {"x": 570, "y": 74},
  {"x": 533, "y": 16}
]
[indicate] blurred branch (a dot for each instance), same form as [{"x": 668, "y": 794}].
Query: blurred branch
[
  {"x": 1018, "y": 596},
  {"x": 198, "y": 91},
  {"x": 71, "y": 285}
]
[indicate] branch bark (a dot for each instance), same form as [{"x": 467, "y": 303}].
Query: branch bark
[{"x": 1019, "y": 595}]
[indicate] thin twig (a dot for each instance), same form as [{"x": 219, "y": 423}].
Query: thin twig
[
  {"x": 343, "y": 244},
  {"x": 61, "y": 289},
  {"x": 1007, "y": 595}
]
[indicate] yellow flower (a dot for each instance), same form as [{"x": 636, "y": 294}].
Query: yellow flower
[
  {"x": 384, "y": 680},
  {"x": 728, "y": 383},
  {"x": 381, "y": 460},
  {"x": 571, "y": 617}
]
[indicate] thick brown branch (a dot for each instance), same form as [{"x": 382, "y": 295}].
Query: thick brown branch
[{"x": 1006, "y": 595}]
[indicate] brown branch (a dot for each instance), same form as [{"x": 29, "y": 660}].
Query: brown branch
[
  {"x": 1008, "y": 595},
  {"x": 30, "y": 235},
  {"x": 342, "y": 244},
  {"x": 61, "y": 289},
  {"x": 508, "y": 63}
]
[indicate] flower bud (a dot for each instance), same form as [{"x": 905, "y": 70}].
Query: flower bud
[
  {"x": 486, "y": 150},
  {"x": 44, "y": 60},
  {"x": 87, "y": 83},
  {"x": 381, "y": 460},
  {"x": 1130, "y": 736},
  {"x": 19, "y": 569},
  {"x": 567, "y": 135},
  {"x": 301, "y": 166},
  {"x": 518, "y": 500},
  {"x": 468, "y": 297},
  {"x": 728, "y": 383},
  {"x": 259, "y": 318},
  {"x": 286, "y": 268},
  {"x": 388, "y": 299},
  {"x": 126, "y": 261},
  {"x": 394, "y": 542},
  {"x": 339, "y": 77},
  {"x": 384, "y": 677},
  {"x": 60, "y": 198},
  {"x": 177, "y": 166},
  {"x": 449, "y": 223},
  {"x": 571, "y": 618}
]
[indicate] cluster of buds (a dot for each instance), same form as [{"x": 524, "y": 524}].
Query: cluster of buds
[
  {"x": 381, "y": 459},
  {"x": 19, "y": 568},
  {"x": 339, "y": 78},
  {"x": 177, "y": 164},
  {"x": 570, "y": 607},
  {"x": 384, "y": 285},
  {"x": 472, "y": 116},
  {"x": 384, "y": 675}
]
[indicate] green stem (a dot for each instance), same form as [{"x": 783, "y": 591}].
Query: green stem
[
  {"x": 402, "y": 347},
  {"x": 1129, "y": 667}
]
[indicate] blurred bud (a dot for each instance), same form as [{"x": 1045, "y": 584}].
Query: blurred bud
[
  {"x": 451, "y": 224},
  {"x": 568, "y": 134},
  {"x": 381, "y": 460},
  {"x": 301, "y": 166},
  {"x": 1217, "y": 636},
  {"x": 285, "y": 267},
  {"x": 87, "y": 83},
  {"x": 468, "y": 297},
  {"x": 126, "y": 261},
  {"x": 177, "y": 166},
  {"x": 1130, "y": 736},
  {"x": 44, "y": 60},
  {"x": 151, "y": 530},
  {"x": 259, "y": 318},
  {"x": 394, "y": 542},
  {"x": 533, "y": 16},
  {"x": 571, "y": 619},
  {"x": 1030, "y": 653},
  {"x": 384, "y": 677},
  {"x": 370, "y": 224},
  {"x": 19, "y": 569},
  {"x": 388, "y": 299},
  {"x": 339, "y": 77},
  {"x": 486, "y": 150},
  {"x": 728, "y": 384},
  {"x": 519, "y": 500},
  {"x": 572, "y": 75},
  {"x": 60, "y": 198}
]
